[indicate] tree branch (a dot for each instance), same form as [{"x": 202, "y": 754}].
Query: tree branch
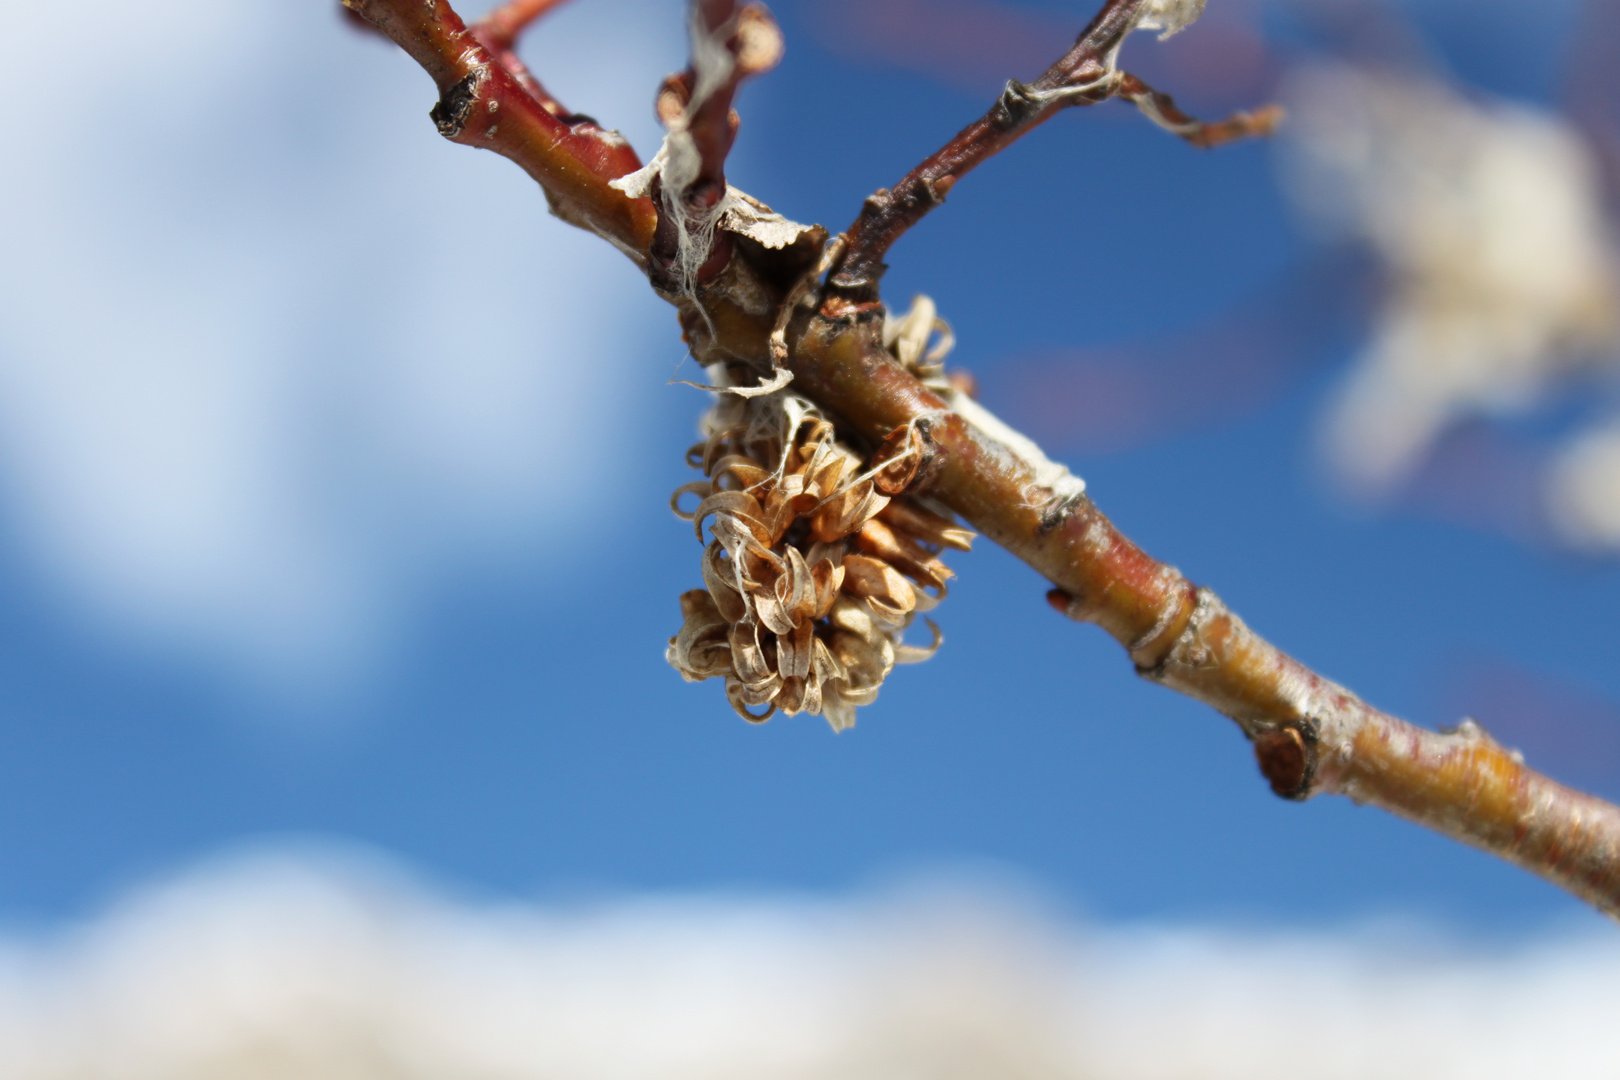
[
  {"x": 499, "y": 32},
  {"x": 1311, "y": 736},
  {"x": 481, "y": 103},
  {"x": 501, "y": 28}
]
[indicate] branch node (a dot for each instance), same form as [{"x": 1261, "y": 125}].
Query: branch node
[
  {"x": 1057, "y": 511},
  {"x": 1287, "y": 758}
]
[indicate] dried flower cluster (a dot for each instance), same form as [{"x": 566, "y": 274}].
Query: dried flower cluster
[{"x": 817, "y": 561}]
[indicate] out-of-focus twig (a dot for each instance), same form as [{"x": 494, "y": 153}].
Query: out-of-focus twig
[
  {"x": 1162, "y": 110},
  {"x": 1085, "y": 75},
  {"x": 501, "y": 28}
]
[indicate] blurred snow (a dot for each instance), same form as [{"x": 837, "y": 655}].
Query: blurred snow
[
  {"x": 273, "y": 356},
  {"x": 1488, "y": 221},
  {"x": 325, "y": 967}
]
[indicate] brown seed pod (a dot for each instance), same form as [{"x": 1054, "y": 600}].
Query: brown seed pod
[{"x": 811, "y": 572}]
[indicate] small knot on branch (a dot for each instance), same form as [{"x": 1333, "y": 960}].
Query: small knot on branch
[
  {"x": 455, "y": 105},
  {"x": 1287, "y": 760}
]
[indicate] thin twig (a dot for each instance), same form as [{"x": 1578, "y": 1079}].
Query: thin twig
[
  {"x": 1081, "y": 77},
  {"x": 730, "y": 43},
  {"x": 1162, "y": 110},
  {"x": 1085, "y": 75},
  {"x": 502, "y": 27}
]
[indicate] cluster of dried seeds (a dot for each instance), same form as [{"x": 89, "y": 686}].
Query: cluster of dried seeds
[{"x": 815, "y": 566}]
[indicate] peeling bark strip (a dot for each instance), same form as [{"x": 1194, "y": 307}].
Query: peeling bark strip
[{"x": 1310, "y": 735}]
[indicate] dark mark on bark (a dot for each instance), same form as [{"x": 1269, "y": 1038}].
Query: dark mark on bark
[
  {"x": 1057, "y": 512},
  {"x": 1015, "y": 106},
  {"x": 456, "y": 104}
]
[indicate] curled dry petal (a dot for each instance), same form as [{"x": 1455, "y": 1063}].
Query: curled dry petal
[
  {"x": 925, "y": 600},
  {"x": 791, "y": 700},
  {"x": 833, "y": 552},
  {"x": 812, "y": 573},
  {"x": 850, "y": 614},
  {"x": 793, "y": 651},
  {"x": 796, "y": 589},
  {"x": 890, "y": 594},
  {"x": 727, "y": 598},
  {"x": 735, "y": 695},
  {"x": 916, "y": 654},
  {"x": 898, "y": 460},
  {"x": 823, "y": 665},
  {"x": 749, "y": 473},
  {"x": 845, "y": 511},
  {"x": 738, "y": 505},
  {"x": 881, "y": 542},
  {"x": 811, "y": 702},
  {"x": 839, "y": 710},
  {"x": 701, "y": 488},
  {"x": 866, "y": 664},
  {"x": 772, "y": 616},
  {"x": 828, "y": 577},
  {"x": 925, "y": 525},
  {"x": 748, "y": 655},
  {"x": 701, "y": 649}
]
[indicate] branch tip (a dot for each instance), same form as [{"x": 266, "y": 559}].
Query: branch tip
[{"x": 1162, "y": 110}]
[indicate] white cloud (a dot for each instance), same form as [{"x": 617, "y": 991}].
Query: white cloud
[
  {"x": 272, "y": 354},
  {"x": 302, "y": 967}
]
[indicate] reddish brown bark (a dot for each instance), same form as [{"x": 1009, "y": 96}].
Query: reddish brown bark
[{"x": 482, "y": 104}]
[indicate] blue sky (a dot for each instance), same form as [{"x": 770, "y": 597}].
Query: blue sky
[{"x": 334, "y": 502}]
